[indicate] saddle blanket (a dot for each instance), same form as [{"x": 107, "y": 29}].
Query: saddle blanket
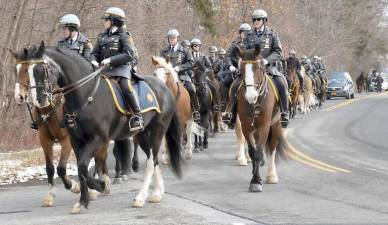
[{"x": 146, "y": 96}]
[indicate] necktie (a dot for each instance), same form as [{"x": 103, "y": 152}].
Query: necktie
[{"x": 71, "y": 41}]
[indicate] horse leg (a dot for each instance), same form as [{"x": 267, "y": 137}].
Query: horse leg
[
  {"x": 117, "y": 179},
  {"x": 140, "y": 198},
  {"x": 47, "y": 145},
  {"x": 165, "y": 158},
  {"x": 272, "y": 176},
  {"x": 196, "y": 143},
  {"x": 61, "y": 169},
  {"x": 135, "y": 158},
  {"x": 158, "y": 191},
  {"x": 84, "y": 154},
  {"x": 241, "y": 157},
  {"x": 189, "y": 144},
  {"x": 100, "y": 158},
  {"x": 256, "y": 184}
]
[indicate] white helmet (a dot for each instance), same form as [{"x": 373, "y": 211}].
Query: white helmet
[
  {"x": 173, "y": 33},
  {"x": 292, "y": 52},
  {"x": 259, "y": 14},
  {"x": 114, "y": 12},
  {"x": 195, "y": 41},
  {"x": 315, "y": 57},
  {"x": 244, "y": 27},
  {"x": 70, "y": 20}
]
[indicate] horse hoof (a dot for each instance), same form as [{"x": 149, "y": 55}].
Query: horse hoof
[
  {"x": 272, "y": 180},
  {"x": 242, "y": 162},
  {"x": 137, "y": 203},
  {"x": 117, "y": 180},
  {"x": 92, "y": 195},
  {"x": 205, "y": 146},
  {"x": 48, "y": 201},
  {"x": 75, "y": 187},
  {"x": 155, "y": 198},
  {"x": 255, "y": 187},
  {"x": 106, "y": 190},
  {"x": 188, "y": 155},
  {"x": 125, "y": 177},
  {"x": 249, "y": 159},
  {"x": 196, "y": 150},
  {"x": 76, "y": 208}
]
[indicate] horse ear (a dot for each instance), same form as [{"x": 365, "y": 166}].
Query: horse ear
[
  {"x": 168, "y": 59},
  {"x": 25, "y": 52},
  {"x": 13, "y": 53},
  {"x": 40, "y": 51},
  {"x": 154, "y": 61}
]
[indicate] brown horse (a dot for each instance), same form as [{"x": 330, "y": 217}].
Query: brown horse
[
  {"x": 360, "y": 82},
  {"x": 294, "y": 89},
  {"x": 165, "y": 72},
  {"x": 258, "y": 109},
  {"x": 48, "y": 120},
  {"x": 216, "y": 123},
  {"x": 307, "y": 100}
]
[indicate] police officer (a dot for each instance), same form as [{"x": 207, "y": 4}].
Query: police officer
[
  {"x": 72, "y": 38},
  {"x": 186, "y": 45},
  {"x": 271, "y": 51},
  {"x": 309, "y": 69},
  {"x": 114, "y": 50},
  {"x": 213, "y": 55},
  {"x": 183, "y": 62},
  {"x": 293, "y": 60},
  {"x": 232, "y": 63}
]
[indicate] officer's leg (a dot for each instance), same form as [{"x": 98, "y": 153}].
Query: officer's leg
[
  {"x": 228, "y": 80},
  {"x": 194, "y": 100},
  {"x": 282, "y": 88},
  {"x": 136, "y": 122},
  {"x": 231, "y": 106}
]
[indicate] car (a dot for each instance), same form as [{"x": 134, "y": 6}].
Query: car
[{"x": 340, "y": 84}]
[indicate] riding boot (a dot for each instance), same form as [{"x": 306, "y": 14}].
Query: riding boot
[
  {"x": 136, "y": 122},
  {"x": 194, "y": 100},
  {"x": 282, "y": 89}
]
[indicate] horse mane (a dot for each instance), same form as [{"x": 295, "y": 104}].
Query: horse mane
[
  {"x": 163, "y": 62},
  {"x": 73, "y": 55}
]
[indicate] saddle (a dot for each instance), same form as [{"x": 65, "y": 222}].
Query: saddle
[{"x": 146, "y": 96}]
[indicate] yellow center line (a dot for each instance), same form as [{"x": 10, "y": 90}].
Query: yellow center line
[
  {"x": 301, "y": 157},
  {"x": 342, "y": 104}
]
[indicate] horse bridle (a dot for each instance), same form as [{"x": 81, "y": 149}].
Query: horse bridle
[
  {"x": 66, "y": 89},
  {"x": 262, "y": 86}
]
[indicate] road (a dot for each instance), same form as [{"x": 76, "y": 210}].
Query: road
[{"x": 343, "y": 178}]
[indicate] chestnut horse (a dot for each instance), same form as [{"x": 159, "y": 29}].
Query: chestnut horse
[
  {"x": 294, "y": 89},
  {"x": 165, "y": 72},
  {"x": 259, "y": 112}
]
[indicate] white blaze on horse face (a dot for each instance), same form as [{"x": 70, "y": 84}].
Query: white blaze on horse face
[
  {"x": 250, "y": 93},
  {"x": 18, "y": 95},
  {"x": 160, "y": 73},
  {"x": 34, "y": 94}
]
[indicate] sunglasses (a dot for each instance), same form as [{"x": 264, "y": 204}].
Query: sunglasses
[
  {"x": 257, "y": 19},
  {"x": 196, "y": 46}
]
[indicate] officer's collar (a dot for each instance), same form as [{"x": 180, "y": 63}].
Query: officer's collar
[{"x": 261, "y": 30}]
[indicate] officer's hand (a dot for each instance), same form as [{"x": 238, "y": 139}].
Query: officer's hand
[
  {"x": 176, "y": 69},
  {"x": 95, "y": 63},
  {"x": 265, "y": 62},
  {"x": 105, "y": 62},
  {"x": 232, "y": 68}
]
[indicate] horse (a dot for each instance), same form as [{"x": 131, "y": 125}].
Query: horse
[
  {"x": 204, "y": 94},
  {"x": 360, "y": 82},
  {"x": 165, "y": 72},
  {"x": 307, "y": 99},
  {"x": 259, "y": 113},
  {"x": 294, "y": 89},
  {"x": 93, "y": 120},
  {"x": 216, "y": 123},
  {"x": 50, "y": 130}
]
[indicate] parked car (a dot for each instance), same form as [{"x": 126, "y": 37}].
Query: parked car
[{"x": 340, "y": 84}]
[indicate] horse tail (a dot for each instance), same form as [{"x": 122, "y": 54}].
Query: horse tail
[
  {"x": 173, "y": 138},
  {"x": 282, "y": 147}
]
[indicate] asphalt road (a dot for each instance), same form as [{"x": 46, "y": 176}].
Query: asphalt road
[{"x": 339, "y": 175}]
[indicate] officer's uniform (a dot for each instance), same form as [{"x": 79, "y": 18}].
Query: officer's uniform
[
  {"x": 81, "y": 45},
  {"x": 184, "y": 60}
]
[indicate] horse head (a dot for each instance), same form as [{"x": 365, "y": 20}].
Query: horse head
[
  {"x": 253, "y": 72},
  {"x": 164, "y": 70}
]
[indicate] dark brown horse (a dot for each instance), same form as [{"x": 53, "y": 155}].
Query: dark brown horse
[
  {"x": 294, "y": 89},
  {"x": 259, "y": 112},
  {"x": 360, "y": 82}
]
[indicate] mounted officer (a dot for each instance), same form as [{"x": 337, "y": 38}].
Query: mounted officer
[
  {"x": 115, "y": 50},
  {"x": 213, "y": 55},
  {"x": 293, "y": 60},
  {"x": 186, "y": 45},
  {"x": 232, "y": 63},
  {"x": 72, "y": 38},
  {"x": 183, "y": 62}
]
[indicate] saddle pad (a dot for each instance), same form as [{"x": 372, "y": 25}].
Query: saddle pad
[{"x": 146, "y": 96}]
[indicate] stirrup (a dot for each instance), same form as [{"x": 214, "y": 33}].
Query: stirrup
[
  {"x": 227, "y": 118},
  {"x": 284, "y": 119},
  {"x": 196, "y": 116},
  {"x": 136, "y": 123}
]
